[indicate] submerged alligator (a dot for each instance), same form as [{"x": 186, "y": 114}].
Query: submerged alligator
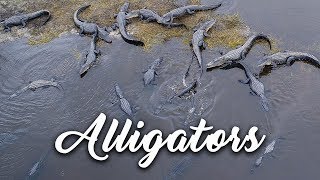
[
  {"x": 256, "y": 86},
  {"x": 190, "y": 9},
  {"x": 7, "y": 138},
  {"x": 179, "y": 168},
  {"x": 121, "y": 23},
  {"x": 34, "y": 171},
  {"x": 184, "y": 91},
  {"x": 36, "y": 85},
  {"x": 269, "y": 149},
  {"x": 91, "y": 57},
  {"x": 90, "y": 28},
  {"x": 287, "y": 57},
  {"x": 198, "y": 39},
  {"x": 149, "y": 75},
  {"x": 151, "y": 16},
  {"x": 239, "y": 53},
  {"x": 23, "y": 19},
  {"x": 124, "y": 103}
]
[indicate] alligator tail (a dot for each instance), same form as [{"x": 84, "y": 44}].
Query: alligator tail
[
  {"x": 39, "y": 14},
  {"x": 210, "y": 7},
  {"x": 264, "y": 103},
  {"x": 164, "y": 22},
  {"x": 313, "y": 58},
  {"x": 130, "y": 39},
  {"x": 76, "y": 19},
  {"x": 46, "y": 12},
  {"x": 262, "y": 37},
  {"x": 17, "y": 93}
]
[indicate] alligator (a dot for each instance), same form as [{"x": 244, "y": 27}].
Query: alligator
[
  {"x": 91, "y": 57},
  {"x": 7, "y": 138},
  {"x": 90, "y": 28},
  {"x": 256, "y": 86},
  {"x": 269, "y": 149},
  {"x": 121, "y": 23},
  {"x": 34, "y": 171},
  {"x": 287, "y": 57},
  {"x": 151, "y": 16},
  {"x": 179, "y": 168},
  {"x": 150, "y": 73},
  {"x": 190, "y": 115},
  {"x": 124, "y": 103},
  {"x": 36, "y": 85},
  {"x": 23, "y": 19},
  {"x": 184, "y": 91},
  {"x": 190, "y": 9},
  {"x": 239, "y": 53},
  {"x": 186, "y": 74},
  {"x": 198, "y": 39}
]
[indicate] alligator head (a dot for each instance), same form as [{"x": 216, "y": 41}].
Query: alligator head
[
  {"x": 266, "y": 61},
  {"x": 207, "y": 25},
  {"x": 215, "y": 63},
  {"x": 124, "y": 7}
]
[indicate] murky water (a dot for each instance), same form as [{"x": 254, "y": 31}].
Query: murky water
[{"x": 30, "y": 122}]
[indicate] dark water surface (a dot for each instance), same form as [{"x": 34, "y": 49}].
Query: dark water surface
[{"x": 30, "y": 123}]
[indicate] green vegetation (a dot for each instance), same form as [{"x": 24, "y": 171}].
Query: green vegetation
[{"x": 230, "y": 30}]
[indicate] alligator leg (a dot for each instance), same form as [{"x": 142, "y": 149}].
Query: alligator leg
[
  {"x": 81, "y": 30},
  {"x": 115, "y": 26},
  {"x": 204, "y": 45},
  {"x": 274, "y": 65},
  {"x": 171, "y": 20},
  {"x": 226, "y": 64},
  {"x": 190, "y": 11},
  {"x": 244, "y": 81},
  {"x": 98, "y": 52},
  {"x": 7, "y": 29},
  {"x": 149, "y": 19},
  {"x": 23, "y": 22}
]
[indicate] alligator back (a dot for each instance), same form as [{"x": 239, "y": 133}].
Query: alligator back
[
  {"x": 125, "y": 106},
  {"x": 148, "y": 76}
]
